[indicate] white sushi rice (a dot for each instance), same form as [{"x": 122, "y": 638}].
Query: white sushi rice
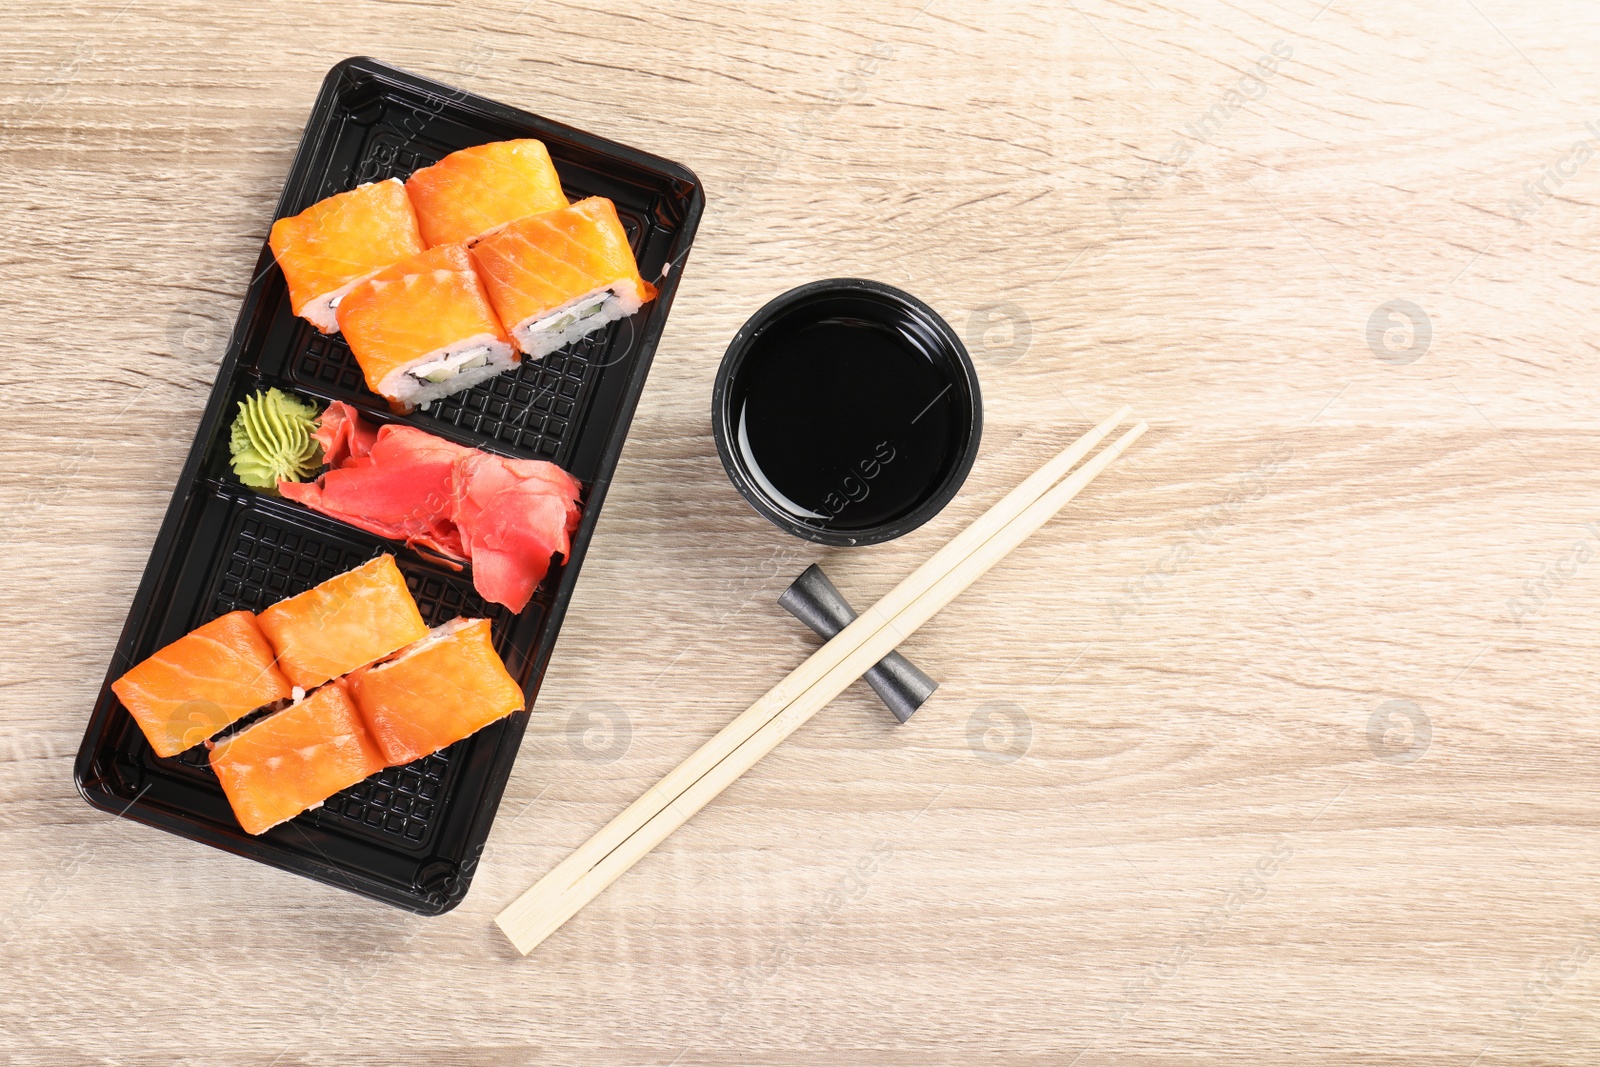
[
  {"x": 539, "y": 335},
  {"x": 323, "y": 312},
  {"x": 447, "y": 370}
]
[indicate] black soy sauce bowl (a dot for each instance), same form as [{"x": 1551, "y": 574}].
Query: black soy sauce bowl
[{"x": 847, "y": 412}]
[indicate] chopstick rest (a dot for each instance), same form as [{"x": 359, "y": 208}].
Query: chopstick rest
[{"x": 815, "y": 601}]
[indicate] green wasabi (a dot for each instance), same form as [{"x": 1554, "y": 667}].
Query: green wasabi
[{"x": 272, "y": 440}]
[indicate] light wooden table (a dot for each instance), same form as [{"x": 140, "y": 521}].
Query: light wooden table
[{"x": 1278, "y": 748}]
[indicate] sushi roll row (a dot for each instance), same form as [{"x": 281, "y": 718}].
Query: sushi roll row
[
  {"x": 451, "y": 277},
  {"x": 385, "y": 690}
]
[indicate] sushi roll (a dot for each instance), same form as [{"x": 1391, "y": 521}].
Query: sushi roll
[
  {"x": 292, "y": 761},
  {"x": 470, "y": 192},
  {"x": 556, "y": 277},
  {"x": 348, "y": 621},
  {"x": 202, "y": 683},
  {"x": 335, "y": 243},
  {"x": 424, "y": 328},
  {"x": 447, "y": 686}
]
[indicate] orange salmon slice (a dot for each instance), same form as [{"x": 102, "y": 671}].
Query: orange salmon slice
[
  {"x": 348, "y": 621},
  {"x": 447, "y": 686},
  {"x": 476, "y": 189},
  {"x": 203, "y": 682},
  {"x": 562, "y": 275},
  {"x": 333, "y": 244},
  {"x": 289, "y": 762}
]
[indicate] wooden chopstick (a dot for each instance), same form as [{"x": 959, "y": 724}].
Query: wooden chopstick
[
  {"x": 708, "y": 771},
  {"x": 818, "y": 664},
  {"x": 543, "y": 910}
]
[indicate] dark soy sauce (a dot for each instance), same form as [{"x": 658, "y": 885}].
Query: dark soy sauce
[{"x": 845, "y": 423}]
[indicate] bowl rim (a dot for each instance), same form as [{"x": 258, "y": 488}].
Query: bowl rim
[{"x": 949, "y": 347}]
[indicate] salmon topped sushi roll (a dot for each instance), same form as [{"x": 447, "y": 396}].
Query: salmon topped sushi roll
[
  {"x": 348, "y": 621},
  {"x": 335, "y": 243},
  {"x": 292, "y": 761},
  {"x": 447, "y": 686},
  {"x": 470, "y": 192},
  {"x": 556, "y": 277},
  {"x": 424, "y": 328},
  {"x": 204, "y": 681}
]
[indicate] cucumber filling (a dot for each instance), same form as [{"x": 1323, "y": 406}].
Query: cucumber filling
[
  {"x": 442, "y": 370},
  {"x": 561, "y": 323}
]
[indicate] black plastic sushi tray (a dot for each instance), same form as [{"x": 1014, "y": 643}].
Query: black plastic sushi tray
[{"x": 409, "y": 836}]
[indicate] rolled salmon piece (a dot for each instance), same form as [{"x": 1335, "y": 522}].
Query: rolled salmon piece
[
  {"x": 447, "y": 686},
  {"x": 348, "y": 621},
  {"x": 556, "y": 277},
  {"x": 336, "y": 243},
  {"x": 470, "y": 192},
  {"x": 424, "y": 328},
  {"x": 202, "y": 683},
  {"x": 295, "y": 759}
]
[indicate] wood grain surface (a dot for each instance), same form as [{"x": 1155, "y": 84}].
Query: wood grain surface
[{"x": 1278, "y": 748}]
